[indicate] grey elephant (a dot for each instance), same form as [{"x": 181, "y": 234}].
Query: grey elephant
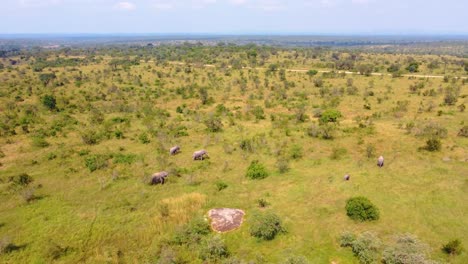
[
  {"x": 159, "y": 177},
  {"x": 380, "y": 162},
  {"x": 174, "y": 150},
  {"x": 200, "y": 155}
]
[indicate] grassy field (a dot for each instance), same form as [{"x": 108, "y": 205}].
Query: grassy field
[{"x": 70, "y": 214}]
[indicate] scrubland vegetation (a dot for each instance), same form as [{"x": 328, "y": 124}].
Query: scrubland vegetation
[{"x": 82, "y": 129}]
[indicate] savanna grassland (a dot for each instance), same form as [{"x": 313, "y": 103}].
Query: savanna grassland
[{"x": 82, "y": 129}]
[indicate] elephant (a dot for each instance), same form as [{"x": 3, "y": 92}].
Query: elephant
[
  {"x": 200, "y": 155},
  {"x": 174, "y": 150},
  {"x": 159, "y": 178},
  {"x": 380, "y": 162}
]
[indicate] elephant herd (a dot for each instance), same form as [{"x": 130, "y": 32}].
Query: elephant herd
[{"x": 160, "y": 177}]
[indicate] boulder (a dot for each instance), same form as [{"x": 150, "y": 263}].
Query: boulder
[{"x": 225, "y": 219}]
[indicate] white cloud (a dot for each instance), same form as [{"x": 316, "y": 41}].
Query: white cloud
[{"x": 126, "y": 6}]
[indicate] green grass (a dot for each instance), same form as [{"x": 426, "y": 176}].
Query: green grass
[{"x": 110, "y": 215}]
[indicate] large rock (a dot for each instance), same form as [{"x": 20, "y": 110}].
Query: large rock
[{"x": 225, "y": 219}]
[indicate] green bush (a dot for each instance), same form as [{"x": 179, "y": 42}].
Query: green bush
[
  {"x": 96, "y": 162},
  {"x": 192, "y": 232},
  {"x": 361, "y": 209},
  {"x": 39, "y": 142},
  {"x": 247, "y": 145},
  {"x": 453, "y": 247},
  {"x": 221, "y": 185},
  {"x": 213, "y": 123},
  {"x": 22, "y": 179},
  {"x": 296, "y": 152},
  {"x": 50, "y": 102},
  {"x": 90, "y": 136},
  {"x": 330, "y": 116},
  {"x": 311, "y": 73},
  {"x": 265, "y": 225},
  {"x": 433, "y": 144},
  {"x": 258, "y": 112},
  {"x": 256, "y": 171},
  {"x": 262, "y": 203},
  {"x": 144, "y": 139},
  {"x": 213, "y": 249}
]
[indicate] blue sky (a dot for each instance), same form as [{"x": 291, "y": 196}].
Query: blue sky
[{"x": 235, "y": 16}]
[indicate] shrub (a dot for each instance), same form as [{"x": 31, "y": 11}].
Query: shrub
[
  {"x": 50, "y": 102},
  {"x": 258, "y": 112},
  {"x": 433, "y": 144},
  {"x": 39, "y": 142},
  {"x": 406, "y": 249},
  {"x": 330, "y": 115},
  {"x": 347, "y": 239},
  {"x": 90, "y": 136},
  {"x": 295, "y": 152},
  {"x": 96, "y": 162},
  {"x": 22, "y": 179},
  {"x": 451, "y": 95},
  {"x": 214, "y": 248},
  {"x": 144, "y": 139},
  {"x": 213, "y": 123},
  {"x": 192, "y": 232},
  {"x": 366, "y": 247},
  {"x": 318, "y": 82},
  {"x": 256, "y": 171},
  {"x": 265, "y": 225},
  {"x": 247, "y": 145},
  {"x": 300, "y": 114},
  {"x": 352, "y": 90},
  {"x": 282, "y": 164},
  {"x": 311, "y": 73},
  {"x": 221, "y": 185},
  {"x": 453, "y": 247},
  {"x": 463, "y": 132},
  {"x": 361, "y": 209},
  {"x": 262, "y": 203},
  {"x": 370, "y": 151}
]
